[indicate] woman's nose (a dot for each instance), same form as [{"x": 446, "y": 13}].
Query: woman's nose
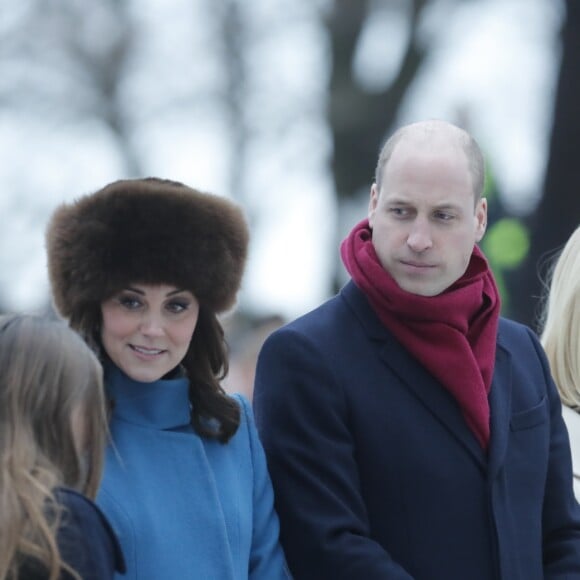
[{"x": 152, "y": 325}]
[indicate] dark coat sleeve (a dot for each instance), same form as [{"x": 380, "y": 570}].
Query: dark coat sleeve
[
  {"x": 302, "y": 417},
  {"x": 86, "y": 540}
]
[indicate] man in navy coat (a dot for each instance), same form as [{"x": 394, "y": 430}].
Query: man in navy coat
[{"x": 411, "y": 432}]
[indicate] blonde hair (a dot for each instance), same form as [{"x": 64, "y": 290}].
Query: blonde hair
[
  {"x": 561, "y": 322},
  {"x": 48, "y": 376}
]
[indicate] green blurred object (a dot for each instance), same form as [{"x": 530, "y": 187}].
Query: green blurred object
[{"x": 506, "y": 243}]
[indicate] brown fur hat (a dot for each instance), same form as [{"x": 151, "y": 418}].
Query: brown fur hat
[{"x": 147, "y": 231}]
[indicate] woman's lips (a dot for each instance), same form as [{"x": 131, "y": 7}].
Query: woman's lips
[{"x": 145, "y": 352}]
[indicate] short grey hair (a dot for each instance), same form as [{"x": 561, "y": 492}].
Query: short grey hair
[{"x": 470, "y": 146}]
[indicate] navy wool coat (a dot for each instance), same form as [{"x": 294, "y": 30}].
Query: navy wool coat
[
  {"x": 377, "y": 474},
  {"x": 85, "y": 539}
]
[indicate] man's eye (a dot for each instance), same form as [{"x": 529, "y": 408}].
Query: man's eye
[
  {"x": 399, "y": 211},
  {"x": 444, "y": 216}
]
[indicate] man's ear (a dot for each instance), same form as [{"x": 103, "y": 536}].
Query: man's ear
[
  {"x": 480, "y": 218},
  {"x": 373, "y": 202}
]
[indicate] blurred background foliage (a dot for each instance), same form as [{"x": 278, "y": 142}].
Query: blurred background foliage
[{"x": 280, "y": 105}]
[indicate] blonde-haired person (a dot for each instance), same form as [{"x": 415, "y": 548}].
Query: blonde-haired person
[
  {"x": 52, "y": 438},
  {"x": 561, "y": 340}
]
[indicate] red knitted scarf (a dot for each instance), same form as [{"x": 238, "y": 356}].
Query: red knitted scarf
[{"x": 453, "y": 335}]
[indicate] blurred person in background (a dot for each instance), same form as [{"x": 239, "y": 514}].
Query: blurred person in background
[
  {"x": 141, "y": 268},
  {"x": 411, "y": 432},
  {"x": 52, "y": 439},
  {"x": 245, "y": 341},
  {"x": 561, "y": 340}
]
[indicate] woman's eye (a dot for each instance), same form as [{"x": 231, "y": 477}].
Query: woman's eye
[
  {"x": 177, "y": 307},
  {"x": 129, "y": 302}
]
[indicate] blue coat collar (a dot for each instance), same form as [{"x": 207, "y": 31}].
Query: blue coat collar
[{"x": 162, "y": 404}]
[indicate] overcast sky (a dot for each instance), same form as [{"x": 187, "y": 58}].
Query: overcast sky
[{"x": 496, "y": 64}]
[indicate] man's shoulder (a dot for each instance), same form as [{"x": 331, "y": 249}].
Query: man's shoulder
[
  {"x": 332, "y": 316},
  {"x": 510, "y": 332},
  {"x": 523, "y": 346}
]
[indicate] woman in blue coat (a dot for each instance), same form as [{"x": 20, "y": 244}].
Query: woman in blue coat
[{"x": 141, "y": 268}]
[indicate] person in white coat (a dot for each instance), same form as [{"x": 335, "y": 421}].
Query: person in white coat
[{"x": 561, "y": 340}]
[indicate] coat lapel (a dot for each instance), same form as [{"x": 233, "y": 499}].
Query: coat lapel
[
  {"x": 500, "y": 408},
  {"x": 430, "y": 392},
  {"x": 432, "y": 395}
]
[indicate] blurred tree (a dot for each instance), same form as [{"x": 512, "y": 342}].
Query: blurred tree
[
  {"x": 359, "y": 118},
  {"x": 230, "y": 16},
  {"x": 60, "y": 66},
  {"x": 558, "y": 212}
]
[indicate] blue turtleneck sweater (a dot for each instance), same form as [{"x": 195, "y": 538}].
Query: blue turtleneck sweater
[{"x": 184, "y": 506}]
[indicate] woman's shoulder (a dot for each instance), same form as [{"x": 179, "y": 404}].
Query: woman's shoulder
[
  {"x": 247, "y": 425},
  {"x": 68, "y": 496},
  {"x": 85, "y": 535},
  {"x": 83, "y": 511},
  {"x": 244, "y": 433},
  {"x": 572, "y": 420},
  {"x": 242, "y": 402},
  {"x": 247, "y": 435}
]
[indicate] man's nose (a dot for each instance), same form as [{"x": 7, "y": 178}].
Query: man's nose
[{"x": 419, "y": 238}]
